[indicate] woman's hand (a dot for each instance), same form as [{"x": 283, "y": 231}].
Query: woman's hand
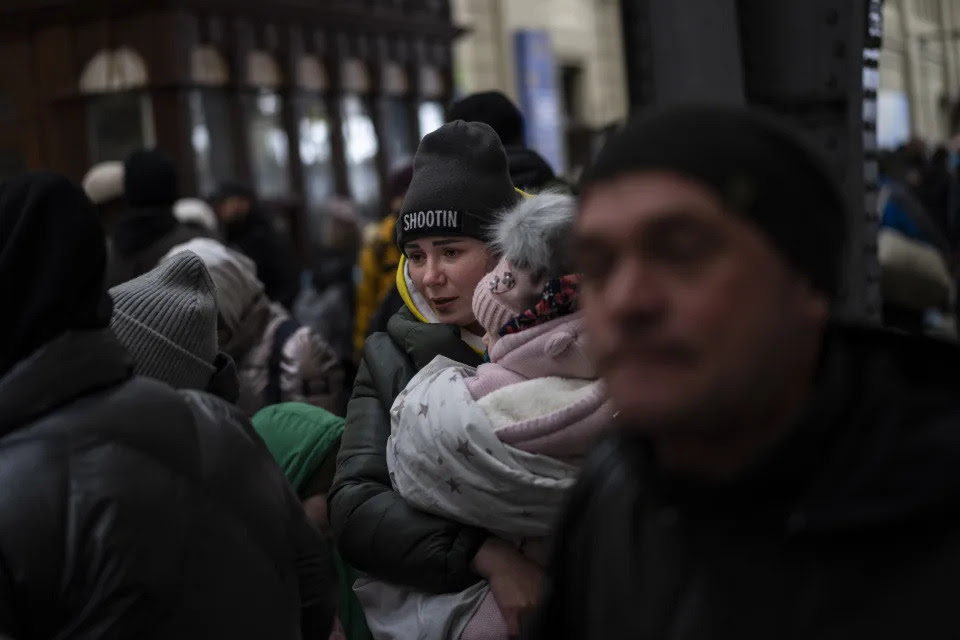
[{"x": 515, "y": 581}]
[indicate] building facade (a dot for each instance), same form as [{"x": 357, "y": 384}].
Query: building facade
[
  {"x": 301, "y": 100},
  {"x": 919, "y": 71},
  {"x": 587, "y": 53}
]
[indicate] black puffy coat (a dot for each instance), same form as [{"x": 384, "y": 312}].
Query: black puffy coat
[
  {"x": 257, "y": 238},
  {"x": 850, "y": 528},
  {"x": 140, "y": 238},
  {"x": 376, "y": 531},
  {"x": 130, "y": 510}
]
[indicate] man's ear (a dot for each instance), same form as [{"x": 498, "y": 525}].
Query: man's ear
[{"x": 813, "y": 304}]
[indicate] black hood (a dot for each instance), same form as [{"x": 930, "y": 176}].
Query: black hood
[
  {"x": 877, "y": 443},
  {"x": 140, "y": 227},
  {"x": 528, "y": 170},
  {"x": 52, "y": 264}
]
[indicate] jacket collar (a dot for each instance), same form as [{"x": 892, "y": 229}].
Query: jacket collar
[
  {"x": 65, "y": 368},
  {"x": 876, "y": 443},
  {"x": 420, "y": 309},
  {"x": 423, "y": 342}
]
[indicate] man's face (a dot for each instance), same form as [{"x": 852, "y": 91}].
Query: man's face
[
  {"x": 693, "y": 315},
  {"x": 232, "y": 209}
]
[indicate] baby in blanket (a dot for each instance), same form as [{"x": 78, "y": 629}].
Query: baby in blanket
[{"x": 498, "y": 447}]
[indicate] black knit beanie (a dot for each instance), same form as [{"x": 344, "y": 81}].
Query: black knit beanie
[
  {"x": 460, "y": 183},
  {"x": 758, "y": 167},
  {"x": 53, "y": 261},
  {"x": 494, "y": 109},
  {"x": 150, "y": 179}
]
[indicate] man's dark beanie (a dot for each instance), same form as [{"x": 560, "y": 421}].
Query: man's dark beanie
[
  {"x": 494, "y": 109},
  {"x": 150, "y": 179},
  {"x": 53, "y": 262},
  {"x": 760, "y": 169},
  {"x": 460, "y": 183}
]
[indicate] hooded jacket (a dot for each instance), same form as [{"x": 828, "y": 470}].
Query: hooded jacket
[
  {"x": 310, "y": 370},
  {"x": 849, "y": 528},
  {"x": 528, "y": 170},
  {"x": 258, "y": 238},
  {"x": 130, "y": 510},
  {"x": 376, "y": 530},
  {"x": 141, "y": 237},
  {"x": 378, "y": 262}
]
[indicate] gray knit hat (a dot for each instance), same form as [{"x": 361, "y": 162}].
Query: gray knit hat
[{"x": 167, "y": 320}]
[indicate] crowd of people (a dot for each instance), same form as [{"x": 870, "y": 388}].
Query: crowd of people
[
  {"x": 919, "y": 238},
  {"x": 510, "y": 408}
]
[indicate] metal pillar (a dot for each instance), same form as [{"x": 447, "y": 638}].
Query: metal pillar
[{"x": 814, "y": 62}]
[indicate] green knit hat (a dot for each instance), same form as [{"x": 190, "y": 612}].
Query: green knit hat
[{"x": 300, "y": 438}]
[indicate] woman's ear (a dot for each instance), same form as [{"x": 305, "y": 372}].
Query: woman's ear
[{"x": 492, "y": 259}]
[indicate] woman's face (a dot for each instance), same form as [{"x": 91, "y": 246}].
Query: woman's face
[{"x": 446, "y": 271}]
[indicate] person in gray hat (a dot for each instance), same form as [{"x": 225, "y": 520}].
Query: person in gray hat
[{"x": 167, "y": 320}]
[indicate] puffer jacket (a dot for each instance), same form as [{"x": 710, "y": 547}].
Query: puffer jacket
[
  {"x": 849, "y": 528},
  {"x": 375, "y": 529},
  {"x": 140, "y": 239},
  {"x": 130, "y": 510},
  {"x": 310, "y": 370}
]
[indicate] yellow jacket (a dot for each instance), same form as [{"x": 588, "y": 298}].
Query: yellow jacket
[{"x": 379, "y": 259}]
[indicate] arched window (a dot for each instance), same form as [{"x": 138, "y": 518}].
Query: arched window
[
  {"x": 314, "y": 135},
  {"x": 119, "y": 110},
  {"x": 269, "y": 143},
  {"x": 430, "y": 112},
  {"x": 211, "y": 119},
  {"x": 396, "y": 116},
  {"x": 360, "y": 136}
]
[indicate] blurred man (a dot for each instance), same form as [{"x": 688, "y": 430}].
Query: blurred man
[
  {"x": 147, "y": 228},
  {"x": 774, "y": 474},
  {"x": 127, "y": 509},
  {"x": 247, "y": 228},
  {"x": 528, "y": 170},
  {"x": 377, "y": 295}
]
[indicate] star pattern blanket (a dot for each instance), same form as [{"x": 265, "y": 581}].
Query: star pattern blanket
[{"x": 445, "y": 458}]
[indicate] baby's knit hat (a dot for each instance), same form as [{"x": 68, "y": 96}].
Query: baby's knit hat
[{"x": 532, "y": 240}]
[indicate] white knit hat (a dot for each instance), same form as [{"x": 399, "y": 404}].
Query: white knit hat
[
  {"x": 104, "y": 182},
  {"x": 167, "y": 320},
  {"x": 196, "y": 212}
]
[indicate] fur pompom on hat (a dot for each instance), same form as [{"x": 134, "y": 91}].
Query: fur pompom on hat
[{"x": 532, "y": 240}]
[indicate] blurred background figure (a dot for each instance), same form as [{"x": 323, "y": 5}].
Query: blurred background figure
[
  {"x": 377, "y": 295},
  {"x": 248, "y": 227},
  {"x": 278, "y": 359},
  {"x": 147, "y": 228},
  {"x": 326, "y": 301},
  {"x": 305, "y": 440},
  {"x": 528, "y": 170},
  {"x": 196, "y": 213},
  {"x": 913, "y": 250},
  {"x": 103, "y": 184},
  {"x": 176, "y": 519}
]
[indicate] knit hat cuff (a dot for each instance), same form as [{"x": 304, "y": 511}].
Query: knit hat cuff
[
  {"x": 158, "y": 357},
  {"x": 489, "y": 311}
]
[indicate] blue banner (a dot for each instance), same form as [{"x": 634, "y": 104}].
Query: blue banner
[{"x": 539, "y": 96}]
